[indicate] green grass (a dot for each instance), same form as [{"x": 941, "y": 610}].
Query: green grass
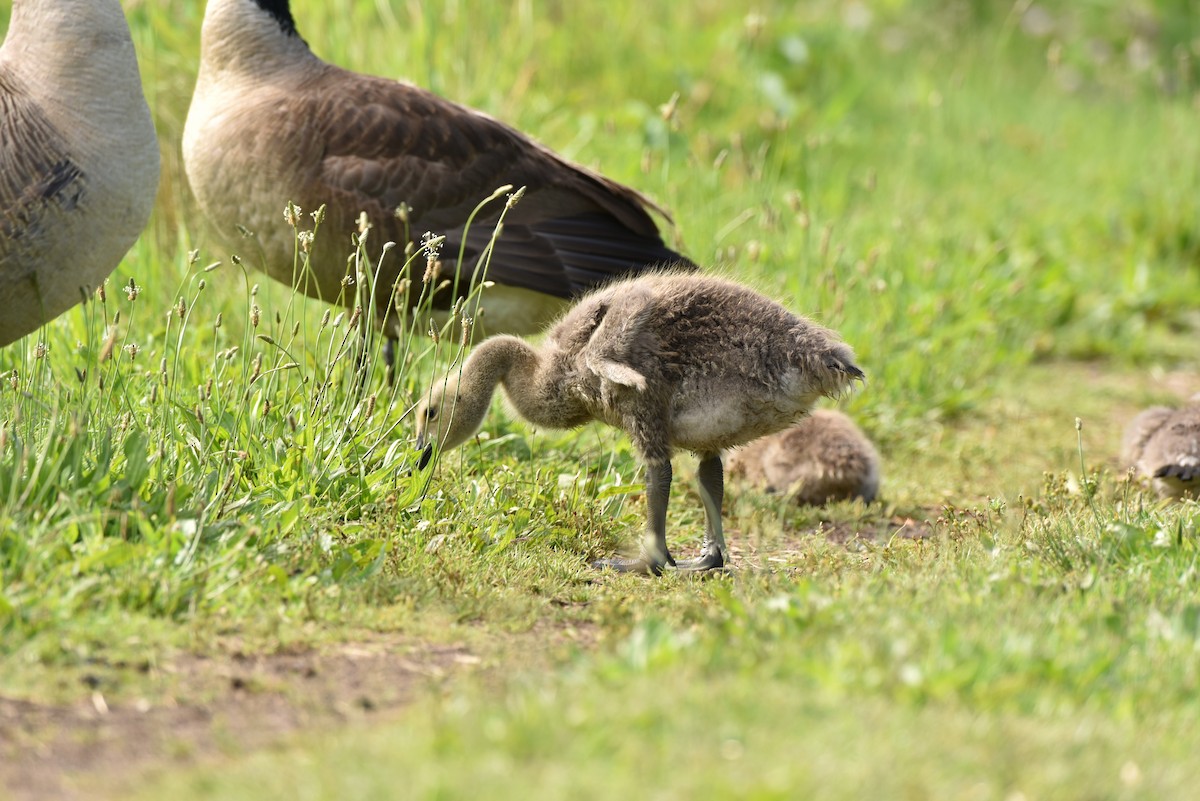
[
  {"x": 979, "y": 665},
  {"x": 1002, "y": 224}
]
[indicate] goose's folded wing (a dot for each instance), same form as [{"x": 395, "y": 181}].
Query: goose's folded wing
[
  {"x": 560, "y": 256},
  {"x": 38, "y": 179},
  {"x": 385, "y": 143}
]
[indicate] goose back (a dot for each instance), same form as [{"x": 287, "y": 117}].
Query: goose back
[{"x": 717, "y": 363}]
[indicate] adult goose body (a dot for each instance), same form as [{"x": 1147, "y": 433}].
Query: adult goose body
[
  {"x": 78, "y": 156},
  {"x": 270, "y": 122}
]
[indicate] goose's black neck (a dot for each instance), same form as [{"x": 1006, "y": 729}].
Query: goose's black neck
[{"x": 281, "y": 12}]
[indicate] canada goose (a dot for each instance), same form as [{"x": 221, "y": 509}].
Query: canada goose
[
  {"x": 675, "y": 361},
  {"x": 78, "y": 156},
  {"x": 1163, "y": 445},
  {"x": 823, "y": 458},
  {"x": 270, "y": 122}
]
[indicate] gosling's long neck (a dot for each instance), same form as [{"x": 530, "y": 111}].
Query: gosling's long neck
[{"x": 524, "y": 373}]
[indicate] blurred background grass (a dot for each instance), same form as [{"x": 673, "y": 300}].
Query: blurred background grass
[{"x": 994, "y": 202}]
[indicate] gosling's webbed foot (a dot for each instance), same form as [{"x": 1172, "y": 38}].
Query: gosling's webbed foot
[
  {"x": 709, "y": 560},
  {"x": 644, "y": 565}
]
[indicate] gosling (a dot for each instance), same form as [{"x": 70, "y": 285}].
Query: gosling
[
  {"x": 1163, "y": 445},
  {"x": 823, "y": 458},
  {"x": 78, "y": 156},
  {"x": 271, "y": 122},
  {"x": 675, "y": 361}
]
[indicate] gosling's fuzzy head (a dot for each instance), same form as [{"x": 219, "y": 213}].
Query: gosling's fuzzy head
[{"x": 443, "y": 420}]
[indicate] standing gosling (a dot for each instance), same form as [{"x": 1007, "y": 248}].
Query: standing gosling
[
  {"x": 78, "y": 156},
  {"x": 1163, "y": 445},
  {"x": 675, "y": 361},
  {"x": 271, "y": 122},
  {"x": 822, "y": 458}
]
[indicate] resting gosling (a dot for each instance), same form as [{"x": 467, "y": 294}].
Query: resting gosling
[
  {"x": 675, "y": 361},
  {"x": 822, "y": 458},
  {"x": 78, "y": 156},
  {"x": 1163, "y": 445},
  {"x": 270, "y": 122}
]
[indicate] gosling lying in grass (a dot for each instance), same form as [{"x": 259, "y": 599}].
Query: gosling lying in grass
[
  {"x": 822, "y": 458},
  {"x": 1163, "y": 445},
  {"x": 675, "y": 361}
]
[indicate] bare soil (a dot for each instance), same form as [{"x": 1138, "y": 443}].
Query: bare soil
[{"x": 226, "y": 704}]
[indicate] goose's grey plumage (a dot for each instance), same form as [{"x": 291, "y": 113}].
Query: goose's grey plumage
[
  {"x": 271, "y": 122},
  {"x": 1163, "y": 446},
  {"x": 823, "y": 458},
  {"x": 677, "y": 362},
  {"x": 78, "y": 156}
]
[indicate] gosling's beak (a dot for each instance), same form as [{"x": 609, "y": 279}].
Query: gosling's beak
[{"x": 426, "y": 453}]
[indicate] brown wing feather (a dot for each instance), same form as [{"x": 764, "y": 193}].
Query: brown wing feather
[
  {"x": 399, "y": 143},
  {"x": 386, "y": 143},
  {"x": 35, "y": 176}
]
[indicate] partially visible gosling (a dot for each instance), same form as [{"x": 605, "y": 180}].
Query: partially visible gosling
[
  {"x": 677, "y": 362},
  {"x": 823, "y": 458},
  {"x": 1163, "y": 445}
]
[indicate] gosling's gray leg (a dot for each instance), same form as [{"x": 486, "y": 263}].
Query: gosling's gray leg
[
  {"x": 655, "y": 556},
  {"x": 712, "y": 492}
]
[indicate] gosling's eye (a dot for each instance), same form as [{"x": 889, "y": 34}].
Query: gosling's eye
[{"x": 431, "y": 414}]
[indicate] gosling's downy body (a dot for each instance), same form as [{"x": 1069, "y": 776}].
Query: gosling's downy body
[
  {"x": 1163, "y": 445},
  {"x": 677, "y": 362},
  {"x": 78, "y": 156},
  {"x": 824, "y": 457},
  {"x": 270, "y": 122}
]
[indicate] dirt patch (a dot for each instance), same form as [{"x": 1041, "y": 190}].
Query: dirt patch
[
  {"x": 846, "y": 532},
  {"x": 748, "y": 552},
  {"x": 228, "y": 704}
]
